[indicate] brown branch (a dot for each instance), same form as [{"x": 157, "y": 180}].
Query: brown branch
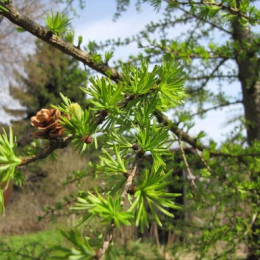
[
  {"x": 51, "y": 210},
  {"x": 177, "y": 131},
  {"x": 191, "y": 176},
  {"x": 232, "y": 10},
  {"x": 216, "y": 107},
  {"x": 203, "y": 160},
  {"x": 46, "y": 35},
  {"x": 130, "y": 176},
  {"x": 219, "y": 153},
  {"x": 52, "y": 146},
  {"x": 109, "y": 238},
  {"x": 238, "y": 156},
  {"x": 213, "y": 76},
  {"x": 210, "y": 75},
  {"x": 190, "y": 55},
  {"x": 204, "y": 20}
]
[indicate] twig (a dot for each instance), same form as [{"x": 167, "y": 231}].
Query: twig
[
  {"x": 109, "y": 238},
  {"x": 191, "y": 55},
  {"x": 254, "y": 217},
  {"x": 216, "y": 107},
  {"x": 177, "y": 131},
  {"x": 232, "y": 10},
  {"x": 210, "y": 75},
  {"x": 46, "y": 35},
  {"x": 129, "y": 182},
  {"x": 52, "y": 146},
  {"x": 203, "y": 160},
  {"x": 204, "y": 20},
  {"x": 52, "y": 210},
  {"x": 213, "y": 76},
  {"x": 191, "y": 176}
]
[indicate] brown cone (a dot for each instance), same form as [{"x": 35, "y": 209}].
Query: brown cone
[{"x": 47, "y": 121}]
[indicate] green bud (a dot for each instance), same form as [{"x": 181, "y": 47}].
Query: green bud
[{"x": 75, "y": 110}]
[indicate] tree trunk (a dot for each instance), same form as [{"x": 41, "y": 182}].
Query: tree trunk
[{"x": 248, "y": 67}]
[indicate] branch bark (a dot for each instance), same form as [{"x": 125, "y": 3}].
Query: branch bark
[
  {"x": 52, "y": 146},
  {"x": 46, "y": 35}
]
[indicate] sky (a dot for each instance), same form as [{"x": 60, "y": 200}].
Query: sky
[{"x": 95, "y": 22}]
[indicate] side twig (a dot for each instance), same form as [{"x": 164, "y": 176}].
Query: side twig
[
  {"x": 191, "y": 176},
  {"x": 129, "y": 182}
]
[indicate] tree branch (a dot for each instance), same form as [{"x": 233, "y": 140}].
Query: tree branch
[
  {"x": 204, "y": 20},
  {"x": 210, "y": 75},
  {"x": 232, "y": 10},
  {"x": 46, "y": 35},
  {"x": 52, "y": 146},
  {"x": 190, "y": 55},
  {"x": 191, "y": 176},
  {"x": 216, "y": 107},
  {"x": 42, "y": 33},
  {"x": 177, "y": 131}
]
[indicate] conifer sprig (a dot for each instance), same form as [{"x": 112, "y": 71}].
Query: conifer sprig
[
  {"x": 81, "y": 247},
  {"x": 8, "y": 158},
  {"x": 152, "y": 193},
  {"x": 8, "y": 162},
  {"x": 2, "y": 8},
  {"x": 57, "y": 23},
  {"x": 78, "y": 123},
  {"x": 107, "y": 209}
]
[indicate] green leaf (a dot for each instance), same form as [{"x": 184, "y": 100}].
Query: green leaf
[
  {"x": 152, "y": 193},
  {"x": 106, "y": 95},
  {"x": 109, "y": 164},
  {"x": 20, "y": 29},
  {"x": 81, "y": 247},
  {"x": 78, "y": 122},
  {"x": 8, "y": 159},
  {"x": 57, "y": 23},
  {"x": 153, "y": 138},
  {"x": 2, "y": 8},
  {"x": 69, "y": 36},
  {"x": 108, "y": 209}
]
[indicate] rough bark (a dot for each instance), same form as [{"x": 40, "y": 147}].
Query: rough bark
[{"x": 248, "y": 68}]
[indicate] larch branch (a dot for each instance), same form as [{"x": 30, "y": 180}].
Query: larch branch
[{"x": 46, "y": 35}]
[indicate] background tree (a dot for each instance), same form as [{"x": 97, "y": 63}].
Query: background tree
[
  {"x": 12, "y": 57},
  {"x": 46, "y": 73}
]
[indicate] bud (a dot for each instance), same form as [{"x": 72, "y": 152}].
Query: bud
[
  {"x": 76, "y": 111},
  {"x": 87, "y": 139}
]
